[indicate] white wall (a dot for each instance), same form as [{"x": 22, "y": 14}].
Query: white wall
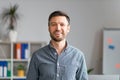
[{"x": 88, "y": 18}]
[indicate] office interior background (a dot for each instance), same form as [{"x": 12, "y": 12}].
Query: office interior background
[{"x": 88, "y": 20}]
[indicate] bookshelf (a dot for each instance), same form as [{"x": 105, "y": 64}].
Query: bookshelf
[{"x": 13, "y": 54}]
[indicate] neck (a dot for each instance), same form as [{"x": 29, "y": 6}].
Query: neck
[{"x": 59, "y": 46}]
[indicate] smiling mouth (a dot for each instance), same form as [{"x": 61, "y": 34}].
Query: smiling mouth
[{"x": 57, "y": 33}]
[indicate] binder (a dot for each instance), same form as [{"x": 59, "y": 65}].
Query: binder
[
  {"x": 5, "y": 68},
  {"x": 18, "y": 51},
  {"x": 1, "y": 68},
  {"x": 24, "y": 51}
]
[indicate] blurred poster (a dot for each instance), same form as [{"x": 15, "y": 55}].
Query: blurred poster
[{"x": 111, "y": 51}]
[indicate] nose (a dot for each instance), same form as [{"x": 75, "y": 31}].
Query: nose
[{"x": 58, "y": 27}]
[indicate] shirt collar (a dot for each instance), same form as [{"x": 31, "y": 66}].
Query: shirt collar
[{"x": 68, "y": 45}]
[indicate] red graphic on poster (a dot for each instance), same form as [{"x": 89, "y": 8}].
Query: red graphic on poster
[
  {"x": 117, "y": 66},
  {"x": 109, "y": 40}
]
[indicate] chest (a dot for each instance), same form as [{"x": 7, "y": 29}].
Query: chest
[{"x": 64, "y": 66}]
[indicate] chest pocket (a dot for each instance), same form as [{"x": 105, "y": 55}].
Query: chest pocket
[
  {"x": 70, "y": 72},
  {"x": 46, "y": 71}
]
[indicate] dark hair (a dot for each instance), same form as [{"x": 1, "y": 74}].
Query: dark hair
[{"x": 58, "y": 13}]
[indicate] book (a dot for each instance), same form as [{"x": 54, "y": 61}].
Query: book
[
  {"x": 3, "y": 68},
  {"x": 18, "y": 51},
  {"x": 24, "y": 51},
  {"x": 9, "y": 69}
]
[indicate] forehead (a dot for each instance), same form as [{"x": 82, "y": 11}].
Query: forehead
[{"x": 59, "y": 19}]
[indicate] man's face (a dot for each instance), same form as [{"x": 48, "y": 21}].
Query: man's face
[{"x": 58, "y": 28}]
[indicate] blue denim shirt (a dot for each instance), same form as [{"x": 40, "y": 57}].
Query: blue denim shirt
[{"x": 46, "y": 64}]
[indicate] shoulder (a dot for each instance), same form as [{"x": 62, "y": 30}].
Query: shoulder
[
  {"x": 75, "y": 50},
  {"x": 40, "y": 51},
  {"x": 77, "y": 55}
]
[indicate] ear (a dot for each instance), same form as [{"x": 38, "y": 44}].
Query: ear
[
  {"x": 48, "y": 28},
  {"x": 68, "y": 30}
]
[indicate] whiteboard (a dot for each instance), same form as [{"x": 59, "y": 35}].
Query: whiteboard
[{"x": 111, "y": 51}]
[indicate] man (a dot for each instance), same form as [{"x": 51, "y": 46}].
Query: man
[{"x": 58, "y": 60}]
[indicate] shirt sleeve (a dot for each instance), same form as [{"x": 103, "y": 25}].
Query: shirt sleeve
[
  {"x": 32, "y": 73},
  {"x": 82, "y": 70}
]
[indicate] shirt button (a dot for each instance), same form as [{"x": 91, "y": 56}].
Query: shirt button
[
  {"x": 58, "y": 64},
  {"x": 55, "y": 53},
  {"x": 57, "y": 75}
]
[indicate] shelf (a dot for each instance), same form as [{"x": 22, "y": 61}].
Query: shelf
[
  {"x": 16, "y": 77},
  {"x": 20, "y": 60},
  {"x": 5, "y": 59},
  {"x": 14, "y": 54},
  {"x": 5, "y": 78}
]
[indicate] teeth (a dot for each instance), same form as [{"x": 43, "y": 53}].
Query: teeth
[{"x": 57, "y": 33}]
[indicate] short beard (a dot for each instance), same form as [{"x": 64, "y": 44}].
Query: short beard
[{"x": 57, "y": 40}]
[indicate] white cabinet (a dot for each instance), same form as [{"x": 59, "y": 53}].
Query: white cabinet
[
  {"x": 103, "y": 77},
  {"x": 14, "y": 54}
]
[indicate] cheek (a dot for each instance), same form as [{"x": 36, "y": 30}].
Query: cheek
[
  {"x": 66, "y": 32},
  {"x": 50, "y": 30}
]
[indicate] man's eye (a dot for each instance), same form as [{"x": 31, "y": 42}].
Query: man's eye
[
  {"x": 62, "y": 25},
  {"x": 53, "y": 24}
]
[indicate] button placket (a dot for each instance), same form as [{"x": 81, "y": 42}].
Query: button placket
[{"x": 58, "y": 68}]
